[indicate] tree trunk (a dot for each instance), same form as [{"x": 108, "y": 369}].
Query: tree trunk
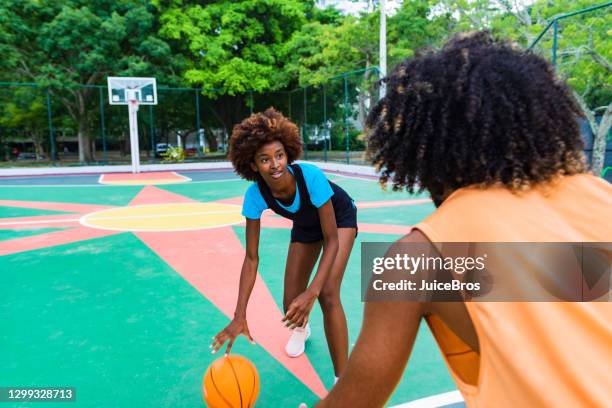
[
  {"x": 4, "y": 149},
  {"x": 39, "y": 150},
  {"x": 600, "y": 141},
  {"x": 600, "y": 133},
  {"x": 211, "y": 140},
  {"x": 85, "y": 143},
  {"x": 231, "y": 110},
  {"x": 363, "y": 95},
  {"x": 85, "y": 153},
  {"x": 93, "y": 149}
]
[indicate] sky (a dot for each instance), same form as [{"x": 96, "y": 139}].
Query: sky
[{"x": 354, "y": 7}]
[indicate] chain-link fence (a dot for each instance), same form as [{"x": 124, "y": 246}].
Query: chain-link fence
[
  {"x": 578, "y": 45},
  {"x": 73, "y": 125},
  {"x": 332, "y": 116},
  {"x": 76, "y": 124}
]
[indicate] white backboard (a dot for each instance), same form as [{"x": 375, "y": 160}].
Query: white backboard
[{"x": 123, "y": 89}]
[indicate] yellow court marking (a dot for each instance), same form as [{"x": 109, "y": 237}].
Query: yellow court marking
[{"x": 165, "y": 217}]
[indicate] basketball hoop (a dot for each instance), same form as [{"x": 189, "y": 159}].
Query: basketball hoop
[{"x": 132, "y": 92}]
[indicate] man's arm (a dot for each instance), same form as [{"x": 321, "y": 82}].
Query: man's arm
[{"x": 379, "y": 357}]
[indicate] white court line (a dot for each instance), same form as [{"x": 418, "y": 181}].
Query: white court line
[
  {"x": 110, "y": 185},
  {"x": 180, "y": 175},
  {"x": 196, "y": 228},
  {"x": 126, "y": 217},
  {"x": 216, "y": 181},
  {"x": 39, "y": 222},
  {"x": 84, "y": 222},
  {"x": 136, "y": 217},
  {"x": 355, "y": 177},
  {"x": 434, "y": 401}
]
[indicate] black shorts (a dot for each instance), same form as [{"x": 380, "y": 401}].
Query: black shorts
[{"x": 345, "y": 218}]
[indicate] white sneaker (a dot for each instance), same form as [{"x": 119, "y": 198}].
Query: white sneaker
[{"x": 295, "y": 345}]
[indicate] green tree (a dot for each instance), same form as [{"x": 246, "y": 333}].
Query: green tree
[
  {"x": 583, "y": 48},
  {"x": 415, "y": 25},
  {"x": 233, "y": 47},
  {"x": 321, "y": 51},
  {"x": 63, "y": 44},
  {"x": 24, "y": 108},
  {"x": 583, "y": 59}
]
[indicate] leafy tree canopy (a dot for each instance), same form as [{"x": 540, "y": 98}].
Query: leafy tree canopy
[{"x": 235, "y": 46}]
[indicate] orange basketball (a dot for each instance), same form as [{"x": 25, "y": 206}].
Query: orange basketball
[{"x": 231, "y": 381}]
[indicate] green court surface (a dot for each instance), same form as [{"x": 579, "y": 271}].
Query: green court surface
[{"x": 125, "y": 313}]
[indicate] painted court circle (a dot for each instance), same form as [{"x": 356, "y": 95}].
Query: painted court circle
[{"x": 165, "y": 217}]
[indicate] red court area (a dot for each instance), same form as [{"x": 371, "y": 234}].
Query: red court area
[{"x": 156, "y": 177}]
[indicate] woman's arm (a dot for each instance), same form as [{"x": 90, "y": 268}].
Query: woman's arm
[
  {"x": 298, "y": 311},
  {"x": 248, "y": 275},
  {"x": 330, "y": 246},
  {"x": 249, "y": 267}
]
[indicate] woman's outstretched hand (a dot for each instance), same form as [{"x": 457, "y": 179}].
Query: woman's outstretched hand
[
  {"x": 299, "y": 310},
  {"x": 236, "y": 327}
]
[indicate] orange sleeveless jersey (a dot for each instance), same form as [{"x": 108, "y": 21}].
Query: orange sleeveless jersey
[{"x": 531, "y": 354}]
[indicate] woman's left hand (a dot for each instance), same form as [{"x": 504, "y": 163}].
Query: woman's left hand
[{"x": 299, "y": 310}]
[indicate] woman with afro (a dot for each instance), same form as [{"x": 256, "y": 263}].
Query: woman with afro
[
  {"x": 263, "y": 149},
  {"x": 492, "y": 134}
]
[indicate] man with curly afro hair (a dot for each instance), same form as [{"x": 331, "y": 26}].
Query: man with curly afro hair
[
  {"x": 263, "y": 149},
  {"x": 491, "y": 133}
]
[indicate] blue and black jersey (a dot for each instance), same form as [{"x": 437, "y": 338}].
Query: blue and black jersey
[{"x": 312, "y": 191}]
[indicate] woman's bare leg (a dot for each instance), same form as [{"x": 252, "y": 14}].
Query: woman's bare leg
[
  {"x": 301, "y": 259},
  {"x": 334, "y": 318}
]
